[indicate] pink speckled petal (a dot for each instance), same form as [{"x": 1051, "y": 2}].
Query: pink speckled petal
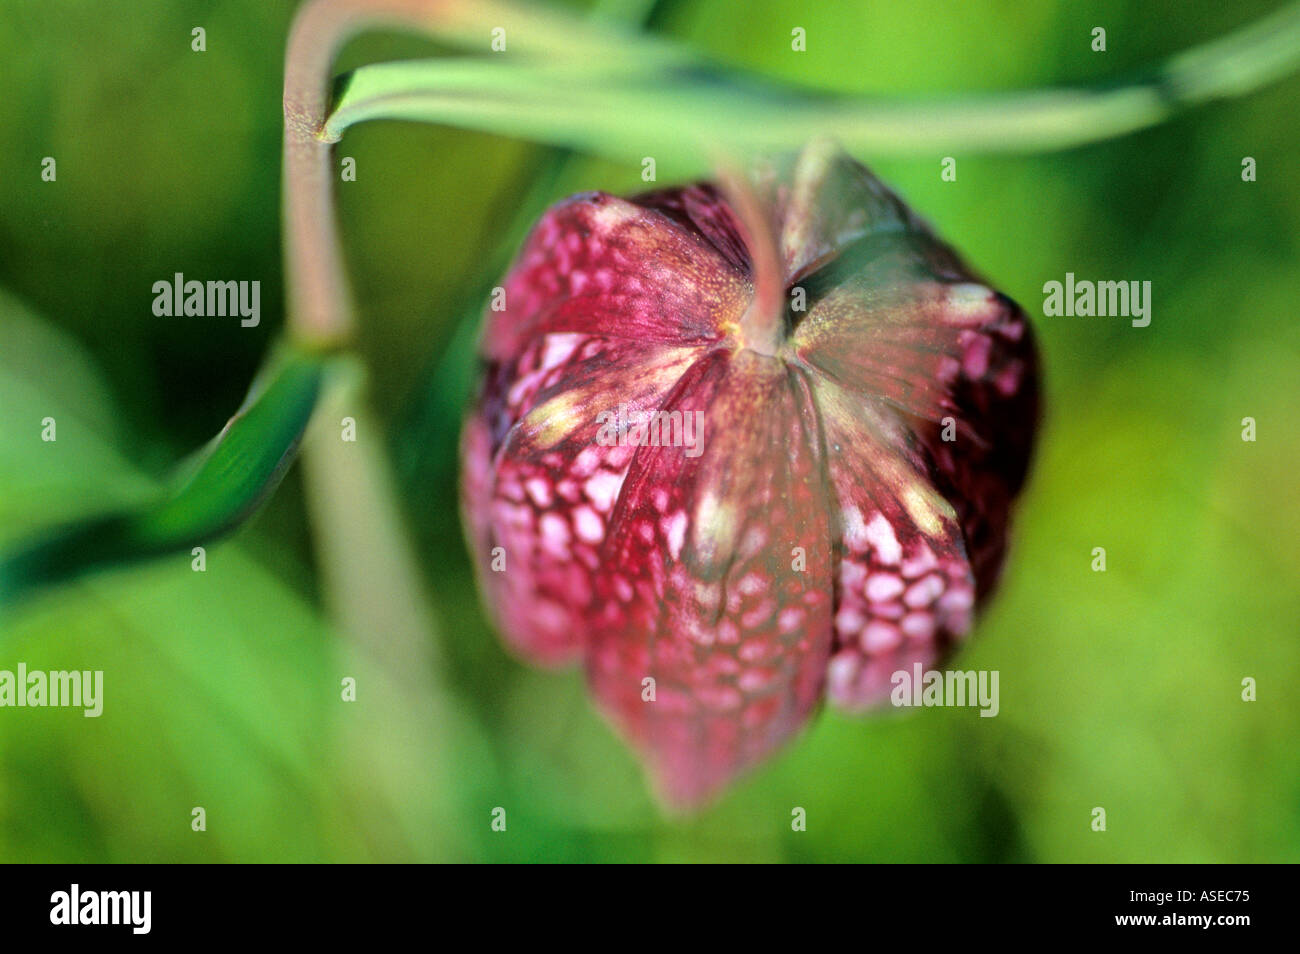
[
  {"x": 598, "y": 265},
  {"x": 939, "y": 353},
  {"x": 904, "y": 588},
  {"x": 551, "y": 484},
  {"x": 700, "y": 589}
]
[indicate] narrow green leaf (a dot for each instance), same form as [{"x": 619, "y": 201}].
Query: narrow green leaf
[
  {"x": 667, "y": 102},
  {"x": 221, "y": 486}
]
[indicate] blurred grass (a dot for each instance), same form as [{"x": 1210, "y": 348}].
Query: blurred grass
[{"x": 1119, "y": 690}]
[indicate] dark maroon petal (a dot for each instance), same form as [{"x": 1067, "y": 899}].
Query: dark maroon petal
[
  {"x": 597, "y": 265},
  {"x": 822, "y": 202},
  {"x": 716, "y": 581},
  {"x": 702, "y": 209}
]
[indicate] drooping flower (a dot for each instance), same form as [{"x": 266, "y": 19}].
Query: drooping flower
[{"x": 739, "y": 450}]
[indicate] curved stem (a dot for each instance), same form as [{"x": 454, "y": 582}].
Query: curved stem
[
  {"x": 320, "y": 301},
  {"x": 371, "y": 579},
  {"x": 319, "y": 306}
]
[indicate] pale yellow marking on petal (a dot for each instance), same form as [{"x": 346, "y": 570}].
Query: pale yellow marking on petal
[
  {"x": 925, "y": 508},
  {"x": 713, "y": 533},
  {"x": 549, "y": 423}
]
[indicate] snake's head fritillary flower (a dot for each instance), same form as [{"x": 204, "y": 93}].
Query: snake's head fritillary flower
[{"x": 741, "y": 449}]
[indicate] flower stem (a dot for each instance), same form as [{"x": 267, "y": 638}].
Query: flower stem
[{"x": 320, "y": 299}]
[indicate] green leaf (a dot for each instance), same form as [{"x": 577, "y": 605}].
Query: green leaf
[
  {"x": 221, "y": 689},
  {"x": 688, "y": 107},
  {"x": 212, "y": 494}
]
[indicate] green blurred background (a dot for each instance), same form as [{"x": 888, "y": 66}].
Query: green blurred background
[{"x": 1119, "y": 689}]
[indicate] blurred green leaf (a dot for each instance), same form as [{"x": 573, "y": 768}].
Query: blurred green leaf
[
  {"x": 651, "y": 92},
  {"x": 220, "y": 487},
  {"x": 222, "y": 688}
]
